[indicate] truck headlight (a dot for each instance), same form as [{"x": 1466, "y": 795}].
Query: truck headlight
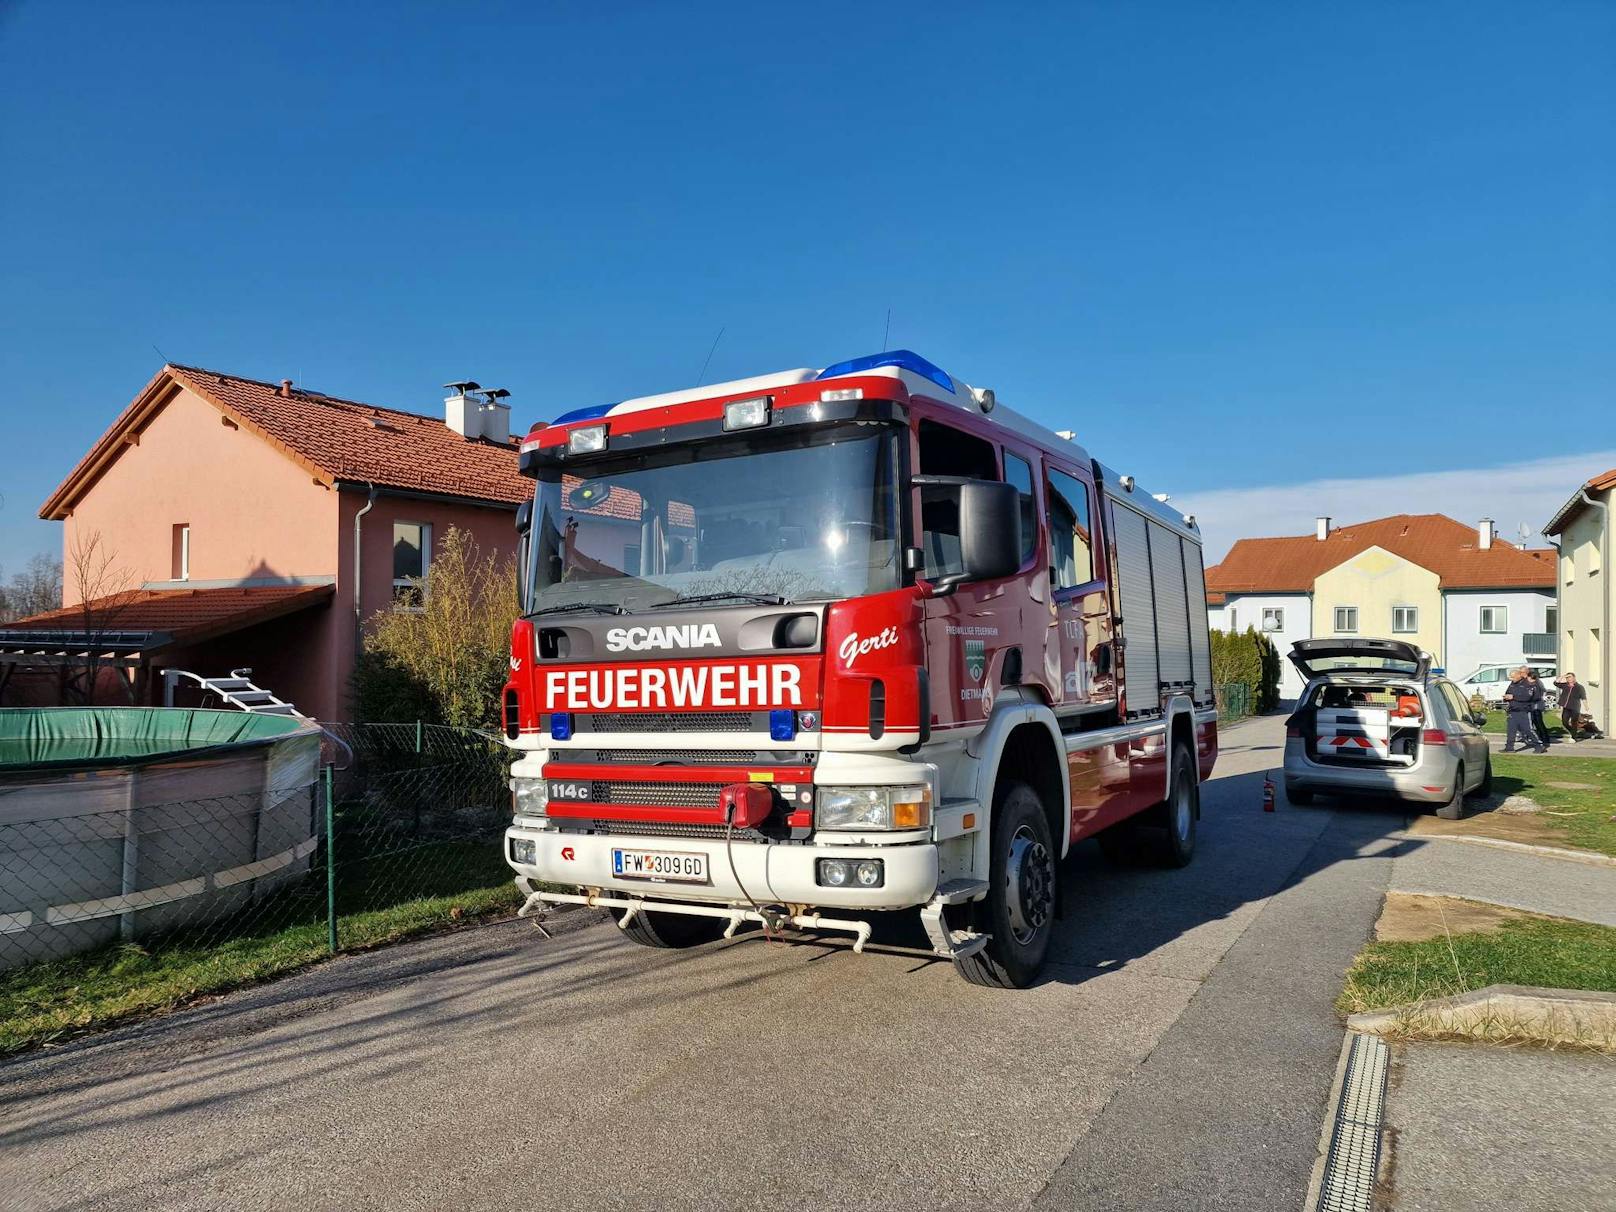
[
  {"x": 873, "y": 807},
  {"x": 528, "y": 797},
  {"x": 524, "y": 850}
]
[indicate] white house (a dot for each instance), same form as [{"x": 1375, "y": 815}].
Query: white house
[{"x": 1461, "y": 593}]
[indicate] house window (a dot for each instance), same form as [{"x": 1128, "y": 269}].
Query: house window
[
  {"x": 1018, "y": 471},
  {"x": 1551, "y": 619},
  {"x": 412, "y": 555},
  {"x": 1072, "y": 556},
  {"x": 1405, "y": 619},
  {"x": 180, "y": 553},
  {"x": 1494, "y": 620},
  {"x": 1273, "y": 618},
  {"x": 1346, "y": 620}
]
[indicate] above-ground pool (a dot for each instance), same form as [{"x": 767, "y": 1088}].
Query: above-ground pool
[{"x": 116, "y": 822}]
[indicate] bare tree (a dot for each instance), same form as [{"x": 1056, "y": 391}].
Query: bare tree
[
  {"x": 105, "y": 589},
  {"x": 34, "y": 590}
]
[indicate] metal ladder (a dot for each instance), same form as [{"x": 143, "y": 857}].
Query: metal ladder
[{"x": 237, "y": 690}]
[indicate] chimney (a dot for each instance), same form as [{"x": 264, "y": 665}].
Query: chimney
[
  {"x": 496, "y": 415},
  {"x": 1323, "y": 531},
  {"x": 1484, "y": 533},
  {"x": 461, "y": 412},
  {"x": 286, "y": 389}
]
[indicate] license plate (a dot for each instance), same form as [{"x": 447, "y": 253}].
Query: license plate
[{"x": 660, "y": 866}]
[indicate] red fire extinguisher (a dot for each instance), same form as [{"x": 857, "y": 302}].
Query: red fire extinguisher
[{"x": 1267, "y": 794}]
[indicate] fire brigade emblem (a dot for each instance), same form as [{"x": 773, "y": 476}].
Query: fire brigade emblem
[{"x": 976, "y": 659}]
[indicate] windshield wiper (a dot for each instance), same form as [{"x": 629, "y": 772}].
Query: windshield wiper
[
  {"x": 602, "y": 607},
  {"x": 762, "y": 599}
]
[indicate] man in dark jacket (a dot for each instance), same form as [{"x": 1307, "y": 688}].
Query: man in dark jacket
[
  {"x": 1573, "y": 697},
  {"x": 1519, "y": 701},
  {"x": 1538, "y": 726}
]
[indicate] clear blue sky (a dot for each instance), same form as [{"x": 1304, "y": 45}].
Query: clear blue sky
[{"x": 1230, "y": 245}]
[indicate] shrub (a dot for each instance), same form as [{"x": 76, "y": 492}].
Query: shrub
[
  {"x": 444, "y": 663},
  {"x": 1250, "y": 658}
]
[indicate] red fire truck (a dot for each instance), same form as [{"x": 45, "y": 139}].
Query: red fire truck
[{"x": 799, "y": 648}]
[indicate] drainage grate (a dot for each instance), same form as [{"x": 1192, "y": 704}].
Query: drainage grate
[{"x": 1353, "y": 1161}]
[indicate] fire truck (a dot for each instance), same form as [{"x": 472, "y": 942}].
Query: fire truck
[{"x": 799, "y": 649}]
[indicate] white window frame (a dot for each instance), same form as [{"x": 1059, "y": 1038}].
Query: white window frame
[
  {"x": 1414, "y": 626},
  {"x": 1278, "y": 613},
  {"x": 1339, "y": 629},
  {"x": 1502, "y": 613},
  {"x": 1551, "y": 620},
  {"x": 185, "y": 551},
  {"x": 426, "y": 563}
]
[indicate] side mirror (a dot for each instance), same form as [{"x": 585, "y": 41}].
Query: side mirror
[
  {"x": 1479, "y": 719},
  {"x": 989, "y": 529}
]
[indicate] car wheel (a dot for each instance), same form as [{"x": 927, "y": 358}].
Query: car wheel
[
  {"x": 1018, "y": 913},
  {"x": 670, "y": 930},
  {"x": 1454, "y": 808}
]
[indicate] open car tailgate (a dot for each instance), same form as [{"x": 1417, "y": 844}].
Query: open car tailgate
[{"x": 1341, "y": 654}]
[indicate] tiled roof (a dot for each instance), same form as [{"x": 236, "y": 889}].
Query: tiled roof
[
  {"x": 334, "y": 438},
  {"x": 1602, "y": 482},
  {"x": 1431, "y": 540},
  {"x": 185, "y": 615}
]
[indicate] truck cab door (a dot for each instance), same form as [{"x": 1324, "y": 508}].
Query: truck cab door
[{"x": 1082, "y": 628}]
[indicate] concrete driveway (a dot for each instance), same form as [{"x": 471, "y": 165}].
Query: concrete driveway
[{"x": 1178, "y": 1055}]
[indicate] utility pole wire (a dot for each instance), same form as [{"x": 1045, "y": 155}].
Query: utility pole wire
[{"x": 703, "y": 374}]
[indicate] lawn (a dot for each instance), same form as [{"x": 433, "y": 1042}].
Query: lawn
[
  {"x": 1580, "y": 808},
  {"x": 412, "y": 892},
  {"x": 1547, "y": 952}
]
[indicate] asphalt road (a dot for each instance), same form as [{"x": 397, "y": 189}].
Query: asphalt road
[{"x": 1179, "y": 1054}]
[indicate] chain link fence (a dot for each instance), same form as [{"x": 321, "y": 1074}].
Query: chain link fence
[
  {"x": 110, "y": 909},
  {"x": 1235, "y": 702}
]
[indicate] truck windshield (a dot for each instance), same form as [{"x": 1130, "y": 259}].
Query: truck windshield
[{"x": 794, "y": 515}]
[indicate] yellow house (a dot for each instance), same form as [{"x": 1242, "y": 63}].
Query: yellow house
[
  {"x": 1587, "y": 613},
  {"x": 1379, "y": 593}
]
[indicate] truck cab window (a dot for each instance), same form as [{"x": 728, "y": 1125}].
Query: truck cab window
[
  {"x": 1018, "y": 471},
  {"x": 1070, "y": 538},
  {"x": 945, "y": 451}
]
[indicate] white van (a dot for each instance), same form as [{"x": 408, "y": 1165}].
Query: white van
[{"x": 1489, "y": 682}]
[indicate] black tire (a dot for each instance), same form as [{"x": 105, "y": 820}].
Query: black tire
[
  {"x": 1018, "y": 920},
  {"x": 670, "y": 929},
  {"x": 1485, "y": 787},
  {"x": 1454, "y": 808},
  {"x": 1301, "y": 797},
  {"x": 1175, "y": 816}
]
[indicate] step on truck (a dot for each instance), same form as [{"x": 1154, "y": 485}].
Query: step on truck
[{"x": 801, "y": 648}]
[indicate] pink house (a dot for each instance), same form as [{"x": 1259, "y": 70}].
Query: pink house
[{"x": 232, "y": 522}]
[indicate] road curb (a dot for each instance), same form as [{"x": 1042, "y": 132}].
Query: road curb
[
  {"x": 1591, "y": 857},
  {"x": 1552, "y": 1016}
]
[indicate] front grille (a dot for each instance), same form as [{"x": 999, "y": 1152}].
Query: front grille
[
  {"x": 679, "y": 757},
  {"x": 672, "y": 721},
  {"x": 657, "y": 795},
  {"x": 713, "y": 833}
]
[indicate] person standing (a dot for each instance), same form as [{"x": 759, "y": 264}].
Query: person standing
[
  {"x": 1572, "y": 697},
  {"x": 1518, "y": 703},
  {"x": 1540, "y": 697}
]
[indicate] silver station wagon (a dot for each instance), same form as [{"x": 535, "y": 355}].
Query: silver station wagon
[{"x": 1373, "y": 721}]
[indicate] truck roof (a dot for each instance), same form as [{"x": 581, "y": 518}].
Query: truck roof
[{"x": 919, "y": 378}]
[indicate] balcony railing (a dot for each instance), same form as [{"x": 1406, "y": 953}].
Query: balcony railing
[{"x": 1540, "y": 644}]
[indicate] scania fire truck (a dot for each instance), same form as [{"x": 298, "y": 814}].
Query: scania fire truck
[{"x": 800, "y": 648}]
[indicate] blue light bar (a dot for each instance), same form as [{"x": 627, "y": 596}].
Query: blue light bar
[
  {"x": 561, "y": 726},
  {"x": 585, "y": 414},
  {"x": 783, "y": 725},
  {"x": 904, "y": 359}
]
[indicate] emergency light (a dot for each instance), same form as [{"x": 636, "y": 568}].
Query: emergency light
[{"x": 561, "y": 726}]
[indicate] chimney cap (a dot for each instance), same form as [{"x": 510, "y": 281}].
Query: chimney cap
[{"x": 461, "y": 386}]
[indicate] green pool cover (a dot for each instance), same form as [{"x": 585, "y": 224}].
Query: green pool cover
[{"x": 56, "y": 738}]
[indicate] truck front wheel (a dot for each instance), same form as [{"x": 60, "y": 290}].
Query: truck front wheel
[
  {"x": 652, "y": 929},
  {"x": 1018, "y": 913}
]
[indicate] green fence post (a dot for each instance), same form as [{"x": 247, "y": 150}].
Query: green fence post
[
  {"x": 417, "y": 736},
  {"x": 330, "y": 865}
]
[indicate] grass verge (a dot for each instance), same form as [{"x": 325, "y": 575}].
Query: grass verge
[
  {"x": 1547, "y": 952},
  {"x": 56, "y": 999},
  {"x": 1580, "y": 810}
]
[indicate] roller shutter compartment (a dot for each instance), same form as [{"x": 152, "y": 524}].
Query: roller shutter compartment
[
  {"x": 1172, "y": 608},
  {"x": 1137, "y": 604},
  {"x": 1200, "y": 642}
]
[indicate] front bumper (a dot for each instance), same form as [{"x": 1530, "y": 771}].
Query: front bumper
[{"x": 777, "y": 872}]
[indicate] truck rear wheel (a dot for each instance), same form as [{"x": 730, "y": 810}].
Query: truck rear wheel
[
  {"x": 669, "y": 929},
  {"x": 1175, "y": 816},
  {"x": 1018, "y": 913}
]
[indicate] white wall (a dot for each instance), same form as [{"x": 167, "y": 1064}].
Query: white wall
[
  {"x": 1465, "y": 648},
  {"x": 1246, "y": 610}
]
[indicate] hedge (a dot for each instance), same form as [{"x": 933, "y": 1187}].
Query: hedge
[{"x": 1250, "y": 658}]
